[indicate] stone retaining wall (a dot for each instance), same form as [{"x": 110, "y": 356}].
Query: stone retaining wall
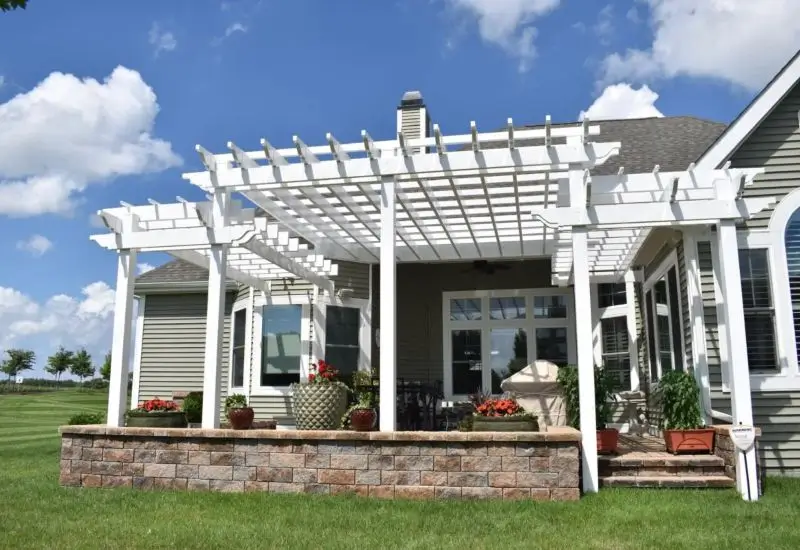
[
  {"x": 540, "y": 466},
  {"x": 725, "y": 449}
]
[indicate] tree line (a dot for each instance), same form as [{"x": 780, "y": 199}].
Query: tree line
[{"x": 78, "y": 363}]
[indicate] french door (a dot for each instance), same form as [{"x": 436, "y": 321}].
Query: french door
[{"x": 491, "y": 334}]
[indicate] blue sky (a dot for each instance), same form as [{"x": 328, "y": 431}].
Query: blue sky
[{"x": 142, "y": 83}]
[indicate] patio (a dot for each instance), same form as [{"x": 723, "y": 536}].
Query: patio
[{"x": 476, "y": 196}]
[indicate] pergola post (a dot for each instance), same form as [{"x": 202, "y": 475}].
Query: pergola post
[
  {"x": 741, "y": 401},
  {"x": 388, "y": 309},
  {"x": 121, "y": 343},
  {"x": 583, "y": 335},
  {"x": 215, "y": 317}
]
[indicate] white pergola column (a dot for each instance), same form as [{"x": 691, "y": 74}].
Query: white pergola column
[
  {"x": 121, "y": 343},
  {"x": 583, "y": 336},
  {"x": 215, "y": 317},
  {"x": 741, "y": 402},
  {"x": 388, "y": 307},
  {"x": 630, "y": 321}
]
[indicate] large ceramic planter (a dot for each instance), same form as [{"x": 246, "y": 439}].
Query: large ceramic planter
[
  {"x": 318, "y": 406},
  {"x": 241, "y": 418},
  {"x": 694, "y": 441},
  {"x": 160, "y": 419},
  {"x": 504, "y": 424},
  {"x": 607, "y": 441},
  {"x": 363, "y": 420}
]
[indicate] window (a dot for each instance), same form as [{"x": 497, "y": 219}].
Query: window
[
  {"x": 792, "y": 242},
  {"x": 238, "y": 351},
  {"x": 490, "y": 335},
  {"x": 611, "y": 294},
  {"x": 663, "y": 320},
  {"x": 281, "y": 344},
  {"x": 759, "y": 317},
  {"x": 342, "y": 342},
  {"x": 615, "y": 354}
]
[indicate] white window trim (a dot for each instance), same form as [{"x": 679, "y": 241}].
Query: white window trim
[
  {"x": 530, "y": 324},
  {"x": 787, "y": 378},
  {"x": 626, "y": 310},
  {"x": 365, "y": 327},
  {"x": 661, "y": 271},
  {"x": 260, "y": 301},
  {"x": 317, "y": 344},
  {"x": 137, "y": 351},
  {"x": 247, "y": 305}
]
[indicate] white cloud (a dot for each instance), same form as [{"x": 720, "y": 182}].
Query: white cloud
[
  {"x": 604, "y": 26},
  {"x": 236, "y": 27},
  {"x": 68, "y": 133},
  {"x": 162, "y": 41},
  {"x": 35, "y": 244},
  {"x": 508, "y": 23},
  {"x": 623, "y": 101},
  {"x": 739, "y": 41},
  {"x": 144, "y": 267},
  {"x": 84, "y": 321}
]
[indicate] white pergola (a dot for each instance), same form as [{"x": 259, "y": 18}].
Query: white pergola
[{"x": 479, "y": 195}]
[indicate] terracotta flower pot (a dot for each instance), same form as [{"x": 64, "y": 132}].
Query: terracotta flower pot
[
  {"x": 363, "y": 420},
  {"x": 241, "y": 419},
  {"x": 699, "y": 440},
  {"x": 607, "y": 441}
]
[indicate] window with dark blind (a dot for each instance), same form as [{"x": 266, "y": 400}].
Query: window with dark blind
[
  {"x": 792, "y": 241},
  {"x": 342, "y": 344},
  {"x": 237, "y": 370},
  {"x": 610, "y": 294},
  {"x": 616, "y": 359},
  {"x": 759, "y": 316}
]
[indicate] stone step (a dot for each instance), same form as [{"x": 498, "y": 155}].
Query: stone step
[
  {"x": 675, "y": 482},
  {"x": 660, "y": 465}
]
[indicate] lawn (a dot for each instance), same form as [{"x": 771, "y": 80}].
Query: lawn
[{"x": 37, "y": 513}]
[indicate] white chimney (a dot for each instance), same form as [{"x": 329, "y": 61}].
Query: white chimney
[{"x": 413, "y": 118}]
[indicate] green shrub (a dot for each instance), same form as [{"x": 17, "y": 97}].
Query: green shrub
[
  {"x": 96, "y": 384},
  {"x": 680, "y": 401},
  {"x": 235, "y": 401},
  {"x": 86, "y": 418},
  {"x": 603, "y": 395},
  {"x": 193, "y": 406}
]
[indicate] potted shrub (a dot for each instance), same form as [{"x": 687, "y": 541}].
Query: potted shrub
[
  {"x": 320, "y": 403},
  {"x": 681, "y": 418},
  {"x": 607, "y": 438},
  {"x": 156, "y": 413},
  {"x": 193, "y": 407},
  {"x": 501, "y": 414},
  {"x": 239, "y": 414}
]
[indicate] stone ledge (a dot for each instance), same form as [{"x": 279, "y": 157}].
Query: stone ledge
[
  {"x": 725, "y": 429},
  {"x": 561, "y": 434}
]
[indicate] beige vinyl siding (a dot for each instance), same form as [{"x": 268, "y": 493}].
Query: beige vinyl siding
[
  {"x": 419, "y": 307},
  {"x": 173, "y": 344},
  {"x": 775, "y": 146},
  {"x": 352, "y": 275}
]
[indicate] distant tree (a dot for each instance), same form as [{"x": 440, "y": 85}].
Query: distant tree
[
  {"x": 59, "y": 363},
  {"x": 8, "y": 5},
  {"x": 19, "y": 360},
  {"x": 81, "y": 365},
  {"x": 105, "y": 370}
]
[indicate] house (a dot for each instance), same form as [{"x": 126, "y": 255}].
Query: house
[{"x": 646, "y": 245}]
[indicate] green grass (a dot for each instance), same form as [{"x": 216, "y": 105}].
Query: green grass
[{"x": 36, "y": 513}]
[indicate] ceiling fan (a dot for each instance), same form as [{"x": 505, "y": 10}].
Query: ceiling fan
[{"x": 487, "y": 267}]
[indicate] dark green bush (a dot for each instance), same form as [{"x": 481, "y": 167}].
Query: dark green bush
[
  {"x": 86, "y": 418},
  {"x": 603, "y": 395},
  {"x": 193, "y": 406},
  {"x": 96, "y": 384},
  {"x": 680, "y": 401}
]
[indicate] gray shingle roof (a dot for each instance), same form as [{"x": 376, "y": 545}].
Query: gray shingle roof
[{"x": 671, "y": 142}]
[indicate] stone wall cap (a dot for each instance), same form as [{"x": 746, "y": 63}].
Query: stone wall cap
[
  {"x": 725, "y": 429},
  {"x": 553, "y": 434}
]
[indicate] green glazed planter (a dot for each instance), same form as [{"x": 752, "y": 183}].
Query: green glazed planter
[
  {"x": 318, "y": 406},
  {"x": 504, "y": 424},
  {"x": 160, "y": 419}
]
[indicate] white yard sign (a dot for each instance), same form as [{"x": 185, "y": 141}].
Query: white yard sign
[{"x": 743, "y": 437}]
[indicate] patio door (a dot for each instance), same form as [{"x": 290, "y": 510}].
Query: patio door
[{"x": 490, "y": 335}]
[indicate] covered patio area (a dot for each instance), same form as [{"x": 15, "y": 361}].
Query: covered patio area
[{"x": 478, "y": 196}]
